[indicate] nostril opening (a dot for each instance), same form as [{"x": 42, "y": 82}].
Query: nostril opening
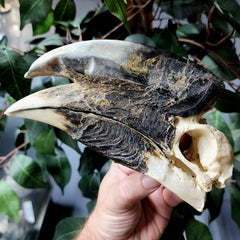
[{"x": 185, "y": 146}]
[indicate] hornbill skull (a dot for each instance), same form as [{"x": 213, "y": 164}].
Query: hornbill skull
[{"x": 140, "y": 107}]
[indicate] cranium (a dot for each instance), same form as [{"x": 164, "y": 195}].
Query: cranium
[{"x": 136, "y": 104}]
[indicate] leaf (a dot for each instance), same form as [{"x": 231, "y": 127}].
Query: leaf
[
  {"x": 34, "y": 128},
  {"x": 59, "y": 167},
  {"x": 190, "y": 30},
  {"x": 12, "y": 70},
  {"x": 91, "y": 205},
  {"x": 234, "y": 125},
  {"x": 229, "y": 10},
  {"x": 182, "y": 9},
  {"x": 43, "y": 26},
  {"x": 236, "y": 172},
  {"x": 67, "y": 139},
  {"x": 45, "y": 143},
  {"x": 214, "y": 202},
  {"x": 140, "y": 38},
  {"x": 3, "y": 42},
  {"x": 228, "y": 102},
  {"x": 33, "y": 11},
  {"x": 30, "y": 58},
  {"x": 68, "y": 228},
  {"x": 196, "y": 230},
  {"x": 168, "y": 41},
  {"x": 235, "y": 203},
  {"x": 27, "y": 173},
  {"x": 65, "y": 10},
  {"x": 2, "y": 2},
  {"x": 42, "y": 161},
  {"x": 42, "y": 82},
  {"x": 105, "y": 168},
  {"x": 220, "y": 24},
  {"x": 89, "y": 185},
  {"x": 10, "y": 202},
  {"x": 212, "y": 65},
  {"x": 89, "y": 161},
  {"x": 118, "y": 9},
  {"x": 216, "y": 120},
  {"x": 52, "y": 40}
]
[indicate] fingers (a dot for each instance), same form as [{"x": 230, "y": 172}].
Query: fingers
[
  {"x": 125, "y": 187},
  {"x": 170, "y": 198},
  {"x": 134, "y": 188}
]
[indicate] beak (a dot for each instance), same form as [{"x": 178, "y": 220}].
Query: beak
[
  {"x": 123, "y": 103},
  {"x": 105, "y": 58}
]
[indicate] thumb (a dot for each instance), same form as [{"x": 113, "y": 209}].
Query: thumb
[{"x": 135, "y": 188}]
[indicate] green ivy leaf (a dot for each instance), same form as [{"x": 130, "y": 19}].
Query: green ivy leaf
[
  {"x": 216, "y": 120},
  {"x": 12, "y": 70},
  {"x": 52, "y": 40},
  {"x": 228, "y": 102},
  {"x": 190, "y": 30},
  {"x": 67, "y": 139},
  {"x": 42, "y": 161},
  {"x": 27, "y": 173},
  {"x": 30, "y": 58},
  {"x": 91, "y": 205},
  {"x": 196, "y": 230},
  {"x": 214, "y": 202},
  {"x": 3, "y": 42},
  {"x": 118, "y": 9},
  {"x": 234, "y": 125},
  {"x": 235, "y": 203},
  {"x": 229, "y": 10},
  {"x": 168, "y": 41},
  {"x": 34, "y": 11},
  {"x": 34, "y": 128},
  {"x": 59, "y": 167},
  {"x": 183, "y": 9},
  {"x": 65, "y": 10},
  {"x": 42, "y": 82},
  {"x": 11, "y": 100},
  {"x": 45, "y": 143},
  {"x": 43, "y": 26},
  {"x": 140, "y": 38},
  {"x": 68, "y": 228},
  {"x": 89, "y": 185},
  {"x": 2, "y": 2},
  {"x": 89, "y": 161},
  {"x": 236, "y": 172},
  {"x": 105, "y": 168},
  {"x": 212, "y": 65},
  {"x": 10, "y": 202}
]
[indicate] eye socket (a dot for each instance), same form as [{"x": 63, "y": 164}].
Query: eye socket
[{"x": 185, "y": 146}]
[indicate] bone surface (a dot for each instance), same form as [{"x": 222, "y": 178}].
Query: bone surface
[{"x": 135, "y": 105}]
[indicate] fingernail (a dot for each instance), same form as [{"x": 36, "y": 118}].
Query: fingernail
[{"x": 149, "y": 183}]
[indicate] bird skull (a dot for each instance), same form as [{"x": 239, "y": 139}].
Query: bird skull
[{"x": 139, "y": 106}]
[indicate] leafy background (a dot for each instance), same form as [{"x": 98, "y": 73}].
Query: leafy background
[{"x": 204, "y": 30}]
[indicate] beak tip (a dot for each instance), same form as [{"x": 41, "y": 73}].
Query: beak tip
[{"x": 28, "y": 74}]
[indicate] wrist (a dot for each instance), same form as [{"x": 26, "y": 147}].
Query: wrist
[{"x": 89, "y": 230}]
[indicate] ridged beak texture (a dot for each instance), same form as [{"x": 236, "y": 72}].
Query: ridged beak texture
[{"x": 125, "y": 102}]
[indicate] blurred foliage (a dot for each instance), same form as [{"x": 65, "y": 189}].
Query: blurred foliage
[{"x": 204, "y": 30}]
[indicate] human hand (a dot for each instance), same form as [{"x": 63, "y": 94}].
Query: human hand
[{"x": 130, "y": 205}]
